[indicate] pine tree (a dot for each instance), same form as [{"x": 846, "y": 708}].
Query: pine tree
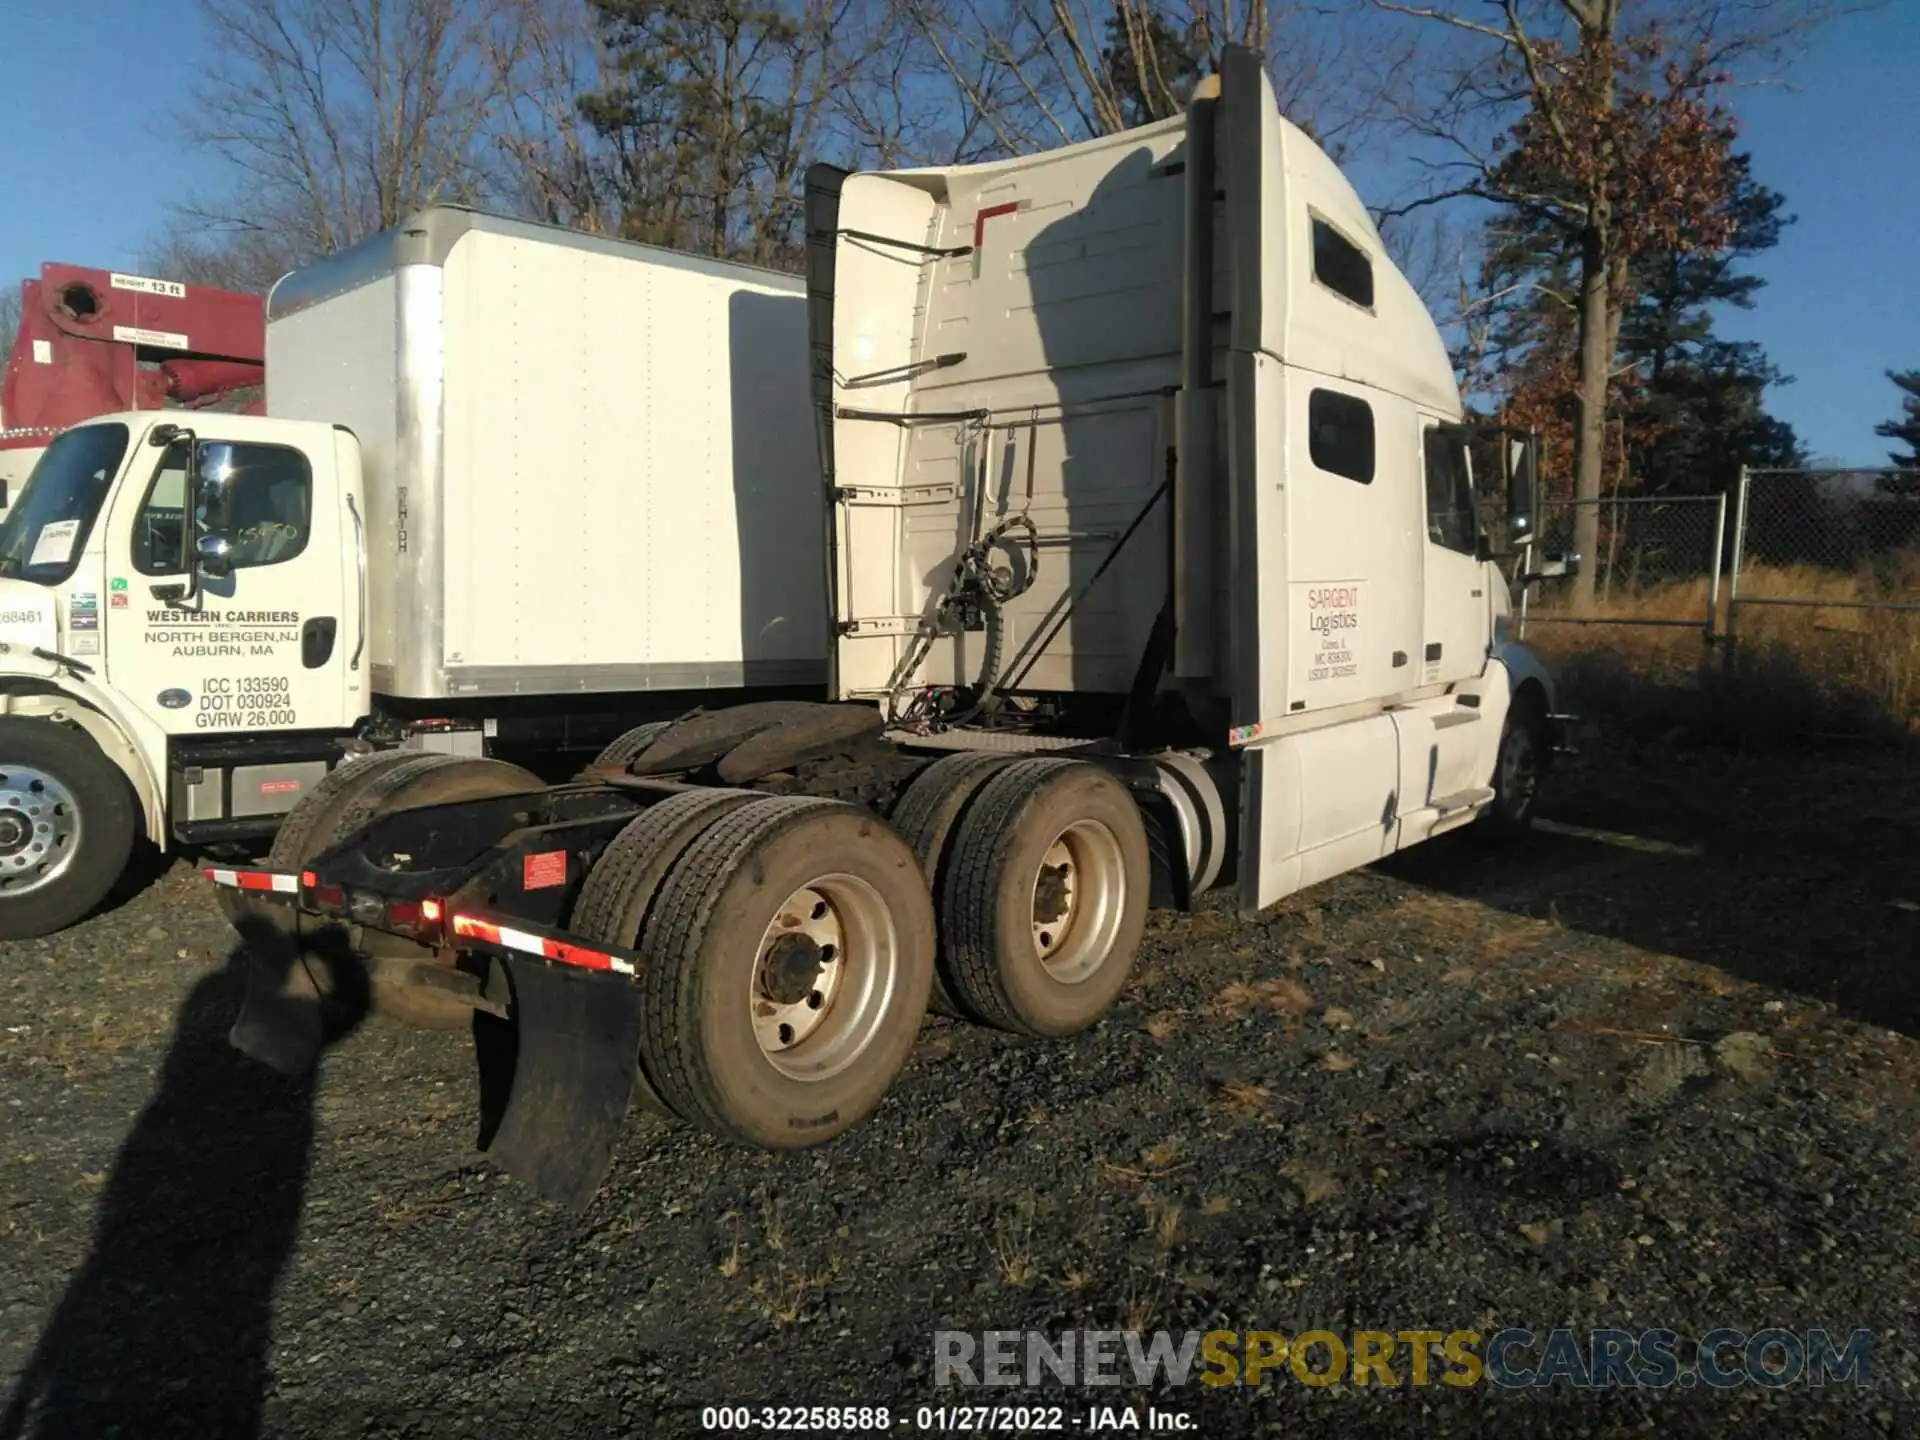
[{"x": 1906, "y": 430}]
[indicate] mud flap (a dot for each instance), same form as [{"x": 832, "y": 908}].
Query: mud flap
[
  {"x": 280, "y": 1022},
  {"x": 565, "y": 1066}
]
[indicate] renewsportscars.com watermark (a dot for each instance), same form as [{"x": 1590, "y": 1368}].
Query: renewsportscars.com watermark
[{"x": 1511, "y": 1359}]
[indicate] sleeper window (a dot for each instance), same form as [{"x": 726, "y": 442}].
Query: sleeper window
[
  {"x": 1340, "y": 434},
  {"x": 1450, "y": 514},
  {"x": 1342, "y": 266}
]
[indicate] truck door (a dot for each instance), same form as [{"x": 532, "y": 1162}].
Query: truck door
[
  {"x": 1456, "y": 621},
  {"x": 264, "y": 648}
]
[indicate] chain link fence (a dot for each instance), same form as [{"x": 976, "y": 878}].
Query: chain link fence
[
  {"x": 1802, "y": 587},
  {"x": 1825, "y": 581},
  {"x": 1657, "y": 562}
]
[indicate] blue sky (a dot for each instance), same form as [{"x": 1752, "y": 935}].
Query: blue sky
[{"x": 91, "y": 156}]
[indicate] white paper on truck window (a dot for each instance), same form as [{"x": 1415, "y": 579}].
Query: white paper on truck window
[{"x": 54, "y": 544}]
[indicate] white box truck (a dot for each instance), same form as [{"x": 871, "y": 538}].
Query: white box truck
[
  {"x": 517, "y": 490},
  {"x": 1156, "y": 564}
]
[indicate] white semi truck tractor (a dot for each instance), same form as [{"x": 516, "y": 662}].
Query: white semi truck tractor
[
  {"x": 1155, "y": 564},
  {"x": 517, "y": 490}
]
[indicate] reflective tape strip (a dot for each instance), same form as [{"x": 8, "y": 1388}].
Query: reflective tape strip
[
  {"x": 546, "y": 948},
  {"x": 266, "y": 880}
]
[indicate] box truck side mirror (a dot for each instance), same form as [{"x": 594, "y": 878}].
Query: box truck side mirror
[{"x": 214, "y": 556}]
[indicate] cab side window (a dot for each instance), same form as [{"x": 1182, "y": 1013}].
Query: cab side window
[
  {"x": 1450, "y": 512},
  {"x": 159, "y": 530},
  {"x": 264, "y": 508}
]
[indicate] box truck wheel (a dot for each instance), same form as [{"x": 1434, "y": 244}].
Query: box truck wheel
[
  {"x": 623, "y": 751},
  {"x": 789, "y": 957},
  {"x": 405, "y": 780},
  {"x": 925, "y": 816},
  {"x": 619, "y": 890},
  {"x": 1045, "y": 897},
  {"x": 67, "y": 821},
  {"x": 1517, "y": 770}
]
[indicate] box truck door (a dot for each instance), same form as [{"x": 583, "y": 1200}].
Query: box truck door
[{"x": 263, "y": 648}]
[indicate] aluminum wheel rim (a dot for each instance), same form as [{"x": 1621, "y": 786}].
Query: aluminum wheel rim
[
  {"x": 1079, "y": 896},
  {"x": 39, "y": 829},
  {"x": 814, "y": 1026}
]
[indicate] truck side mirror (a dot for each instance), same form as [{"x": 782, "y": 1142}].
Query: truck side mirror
[
  {"x": 214, "y": 556},
  {"x": 1522, "y": 485}
]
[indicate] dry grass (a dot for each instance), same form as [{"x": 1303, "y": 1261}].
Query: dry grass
[
  {"x": 1799, "y": 668},
  {"x": 1317, "y": 1186},
  {"x": 1278, "y": 996},
  {"x": 783, "y": 1299},
  {"x": 1013, "y": 1245},
  {"x": 1243, "y": 1099}
]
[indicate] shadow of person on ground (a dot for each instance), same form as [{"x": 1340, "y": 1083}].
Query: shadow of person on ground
[{"x": 166, "y": 1328}]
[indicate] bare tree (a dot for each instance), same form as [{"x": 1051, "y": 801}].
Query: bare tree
[
  {"x": 340, "y": 117},
  {"x": 707, "y": 115},
  {"x": 546, "y": 161},
  {"x": 1026, "y": 75},
  {"x": 1600, "y": 122},
  {"x": 9, "y": 321}
]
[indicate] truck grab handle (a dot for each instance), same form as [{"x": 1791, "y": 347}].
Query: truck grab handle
[{"x": 360, "y": 584}]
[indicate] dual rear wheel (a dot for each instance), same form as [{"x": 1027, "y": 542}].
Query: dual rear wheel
[{"x": 789, "y": 944}]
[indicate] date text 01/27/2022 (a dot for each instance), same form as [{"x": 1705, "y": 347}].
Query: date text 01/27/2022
[{"x": 944, "y": 1419}]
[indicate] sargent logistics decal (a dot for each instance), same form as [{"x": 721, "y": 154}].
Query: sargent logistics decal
[
  {"x": 175, "y": 699},
  {"x": 1329, "y": 621},
  {"x": 193, "y": 634}
]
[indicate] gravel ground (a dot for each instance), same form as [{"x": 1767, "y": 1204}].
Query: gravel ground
[{"x": 1655, "y": 1069}]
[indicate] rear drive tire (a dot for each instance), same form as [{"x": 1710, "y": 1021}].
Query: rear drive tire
[
  {"x": 408, "y": 782},
  {"x": 1045, "y": 897},
  {"x": 925, "y": 817},
  {"x": 316, "y": 809},
  {"x": 790, "y": 955},
  {"x": 67, "y": 822},
  {"x": 626, "y": 749},
  {"x": 619, "y": 890}
]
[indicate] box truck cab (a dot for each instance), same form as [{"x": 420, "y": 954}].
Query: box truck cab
[
  {"x": 519, "y": 488},
  {"x": 1154, "y": 563}
]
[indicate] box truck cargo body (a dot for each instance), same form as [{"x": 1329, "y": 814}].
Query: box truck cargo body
[
  {"x": 588, "y": 466},
  {"x": 517, "y": 490},
  {"x": 1156, "y": 564}
]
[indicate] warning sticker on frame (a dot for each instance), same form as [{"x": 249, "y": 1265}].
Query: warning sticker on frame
[{"x": 1329, "y": 625}]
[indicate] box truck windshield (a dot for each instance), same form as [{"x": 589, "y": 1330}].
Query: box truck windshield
[{"x": 42, "y": 536}]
